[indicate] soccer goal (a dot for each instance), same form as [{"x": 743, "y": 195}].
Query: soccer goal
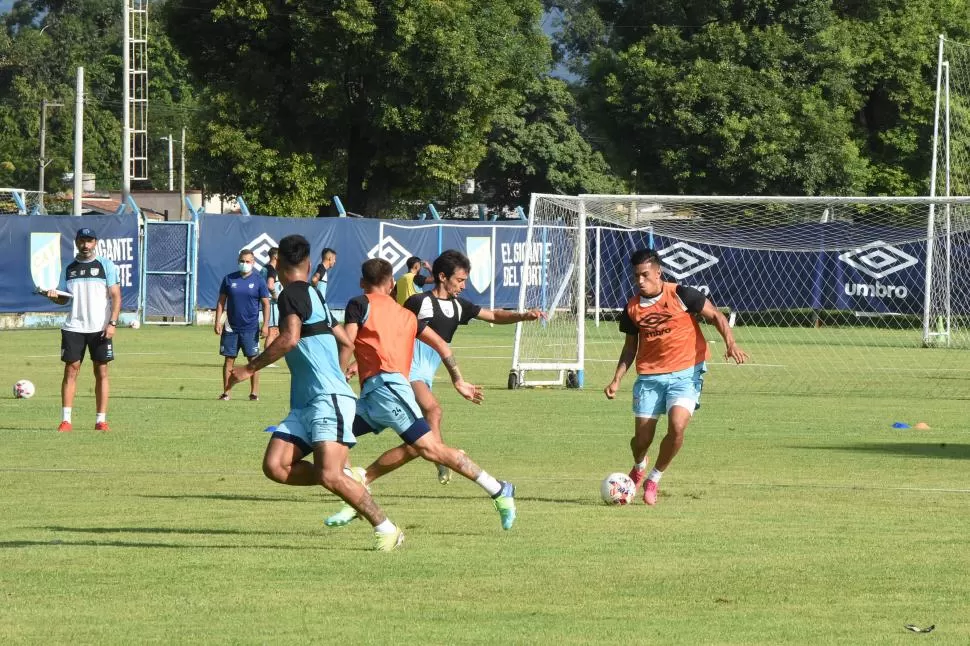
[
  {"x": 824, "y": 293},
  {"x": 18, "y": 201}
]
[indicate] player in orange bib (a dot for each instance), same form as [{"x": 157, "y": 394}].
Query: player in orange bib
[{"x": 665, "y": 340}]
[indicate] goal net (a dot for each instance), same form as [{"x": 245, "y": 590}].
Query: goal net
[{"x": 826, "y": 294}]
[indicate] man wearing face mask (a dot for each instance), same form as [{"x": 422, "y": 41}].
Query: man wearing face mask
[
  {"x": 95, "y": 296},
  {"x": 241, "y": 296}
]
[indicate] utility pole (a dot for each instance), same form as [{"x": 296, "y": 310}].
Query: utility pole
[
  {"x": 171, "y": 166},
  {"x": 79, "y": 142},
  {"x": 182, "y": 179},
  {"x": 44, "y": 104}
]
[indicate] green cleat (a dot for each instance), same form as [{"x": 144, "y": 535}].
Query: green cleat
[
  {"x": 505, "y": 504},
  {"x": 388, "y": 542},
  {"x": 342, "y": 517}
]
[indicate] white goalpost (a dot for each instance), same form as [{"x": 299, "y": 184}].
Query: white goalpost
[{"x": 827, "y": 294}]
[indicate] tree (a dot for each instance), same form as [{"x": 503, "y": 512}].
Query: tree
[
  {"x": 762, "y": 97},
  {"x": 537, "y": 147},
  {"x": 390, "y": 98}
]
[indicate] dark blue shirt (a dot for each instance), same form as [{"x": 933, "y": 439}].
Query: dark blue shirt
[{"x": 243, "y": 299}]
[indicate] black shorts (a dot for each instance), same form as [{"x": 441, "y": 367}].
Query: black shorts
[{"x": 73, "y": 344}]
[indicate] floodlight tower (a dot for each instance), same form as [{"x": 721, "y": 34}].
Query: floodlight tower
[{"x": 134, "y": 149}]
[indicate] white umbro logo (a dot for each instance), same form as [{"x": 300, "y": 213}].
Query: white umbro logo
[
  {"x": 878, "y": 259},
  {"x": 392, "y": 251},
  {"x": 260, "y": 246},
  {"x": 681, "y": 260}
]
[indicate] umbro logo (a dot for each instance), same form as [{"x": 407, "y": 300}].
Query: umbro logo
[
  {"x": 878, "y": 259},
  {"x": 260, "y": 246},
  {"x": 392, "y": 251},
  {"x": 653, "y": 320},
  {"x": 681, "y": 260}
]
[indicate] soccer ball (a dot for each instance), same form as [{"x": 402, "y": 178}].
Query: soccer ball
[
  {"x": 618, "y": 489},
  {"x": 135, "y": 324},
  {"x": 23, "y": 389}
]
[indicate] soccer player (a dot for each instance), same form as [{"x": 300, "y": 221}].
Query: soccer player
[
  {"x": 95, "y": 289},
  {"x": 274, "y": 286},
  {"x": 408, "y": 284},
  {"x": 328, "y": 258},
  {"x": 444, "y": 310},
  {"x": 383, "y": 333},
  {"x": 241, "y": 295},
  {"x": 663, "y": 336},
  {"x": 322, "y": 405}
]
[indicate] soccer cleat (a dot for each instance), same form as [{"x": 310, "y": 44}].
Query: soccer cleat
[
  {"x": 253, "y": 397},
  {"x": 342, "y": 517},
  {"x": 101, "y": 426},
  {"x": 650, "y": 492},
  {"x": 64, "y": 427},
  {"x": 637, "y": 474},
  {"x": 388, "y": 542},
  {"x": 505, "y": 504},
  {"x": 444, "y": 474},
  {"x": 224, "y": 397}
]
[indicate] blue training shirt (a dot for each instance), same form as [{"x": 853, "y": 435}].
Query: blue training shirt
[
  {"x": 314, "y": 363},
  {"x": 88, "y": 282},
  {"x": 243, "y": 299}
]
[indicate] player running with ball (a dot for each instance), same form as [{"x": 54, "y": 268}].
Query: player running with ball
[{"x": 665, "y": 340}]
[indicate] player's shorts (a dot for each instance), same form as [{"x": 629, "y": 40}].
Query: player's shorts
[
  {"x": 387, "y": 401},
  {"x": 232, "y": 341},
  {"x": 328, "y": 418},
  {"x": 74, "y": 343},
  {"x": 654, "y": 395},
  {"x": 274, "y": 314},
  {"x": 424, "y": 363}
]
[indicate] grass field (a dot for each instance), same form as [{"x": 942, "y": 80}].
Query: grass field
[{"x": 800, "y": 518}]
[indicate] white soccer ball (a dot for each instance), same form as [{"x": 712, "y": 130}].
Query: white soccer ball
[
  {"x": 23, "y": 389},
  {"x": 135, "y": 324},
  {"x": 618, "y": 489}
]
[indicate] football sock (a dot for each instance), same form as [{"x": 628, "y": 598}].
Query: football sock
[
  {"x": 66, "y": 414},
  {"x": 642, "y": 464},
  {"x": 384, "y": 527},
  {"x": 655, "y": 475},
  {"x": 488, "y": 483},
  {"x": 100, "y": 417}
]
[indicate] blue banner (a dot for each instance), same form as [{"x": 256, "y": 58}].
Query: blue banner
[
  {"x": 38, "y": 248},
  {"x": 356, "y": 240}
]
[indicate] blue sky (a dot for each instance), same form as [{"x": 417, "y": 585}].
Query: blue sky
[{"x": 5, "y": 5}]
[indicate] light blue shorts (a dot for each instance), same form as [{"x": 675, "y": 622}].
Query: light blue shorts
[
  {"x": 654, "y": 395},
  {"x": 274, "y": 314},
  {"x": 425, "y": 363},
  {"x": 328, "y": 418},
  {"x": 387, "y": 401}
]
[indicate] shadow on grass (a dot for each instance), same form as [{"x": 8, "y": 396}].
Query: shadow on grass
[
  {"x": 170, "y": 530},
  {"x": 378, "y": 497},
  {"x": 229, "y": 498},
  {"x": 174, "y": 546},
  {"x": 907, "y": 449}
]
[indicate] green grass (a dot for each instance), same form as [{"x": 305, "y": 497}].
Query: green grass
[{"x": 787, "y": 518}]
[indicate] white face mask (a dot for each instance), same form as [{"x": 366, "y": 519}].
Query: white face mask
[{"x": 245, "y": 267}]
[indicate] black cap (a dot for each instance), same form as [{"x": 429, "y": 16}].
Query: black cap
[{"x": 85, "y": 233}]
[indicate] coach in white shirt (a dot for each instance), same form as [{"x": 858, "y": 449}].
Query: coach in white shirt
[{"x": 95, "y": 295}]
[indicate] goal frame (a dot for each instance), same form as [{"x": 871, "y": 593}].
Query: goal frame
[{"x": 570, "y": 371}]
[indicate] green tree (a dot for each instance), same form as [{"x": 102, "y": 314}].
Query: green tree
[
  {"x": 43, "y": 44},
  {"x": 390, "y": 99},
  {"x": 763, "y": 96},
  {"x": 537, "y": 147}
]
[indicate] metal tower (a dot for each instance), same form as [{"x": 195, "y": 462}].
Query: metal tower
[{"x": 135, "y": 104}]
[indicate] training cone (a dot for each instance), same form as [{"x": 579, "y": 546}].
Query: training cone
[
  {"x": 921, "y": 426},
  {"x": 900, "y": 425}
]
